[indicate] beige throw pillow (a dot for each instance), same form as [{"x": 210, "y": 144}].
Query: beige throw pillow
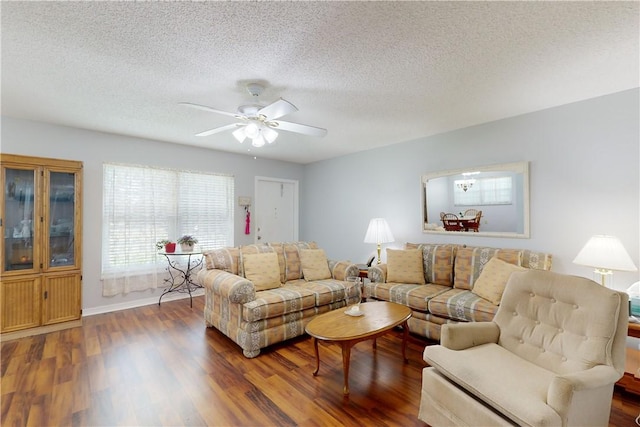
[
  {"x": 493, "y": 279},
  {"x": 405, "y": 266},
  {"x": 263, "y": 270},
  {"x": 314, "y": 264}
]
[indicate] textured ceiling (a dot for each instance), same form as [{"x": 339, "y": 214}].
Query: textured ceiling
[{"x": 372, "y": 73}]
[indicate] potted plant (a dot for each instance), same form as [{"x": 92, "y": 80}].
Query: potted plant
[
  {"x": 187, "y": 242},
  {"x": 168, "y": 246}
]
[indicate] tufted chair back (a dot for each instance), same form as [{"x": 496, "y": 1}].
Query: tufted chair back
[{"x": 563, "y": 323}]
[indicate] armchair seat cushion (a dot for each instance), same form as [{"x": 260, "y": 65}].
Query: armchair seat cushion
[{"x": 476, "y": 371}]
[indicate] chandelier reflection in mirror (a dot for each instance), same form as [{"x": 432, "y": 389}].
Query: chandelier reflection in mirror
[{"x": 465, "y": 184}]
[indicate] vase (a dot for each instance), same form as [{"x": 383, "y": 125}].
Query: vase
[
  {"x": 170, "y": 248},
  {"x": 186, "y": 247}
]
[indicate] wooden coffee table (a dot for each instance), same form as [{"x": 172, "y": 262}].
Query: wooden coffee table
[{"x": 336, "y": 326}]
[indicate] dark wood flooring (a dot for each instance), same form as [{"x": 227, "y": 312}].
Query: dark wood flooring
[{"x": 160, "y": 366}]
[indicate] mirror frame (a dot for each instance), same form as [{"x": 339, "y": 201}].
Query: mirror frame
[{"x": 517, "y": 167}]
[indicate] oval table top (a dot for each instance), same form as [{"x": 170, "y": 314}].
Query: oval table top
[{"x": 378, "y": 316}]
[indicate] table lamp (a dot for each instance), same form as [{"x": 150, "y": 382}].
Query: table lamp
[
  {"x": 605, "y": 254},
  {"x": 378, "y": 232}
]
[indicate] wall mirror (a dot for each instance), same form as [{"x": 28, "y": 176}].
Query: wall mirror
[{"x": 499, "y": 193}]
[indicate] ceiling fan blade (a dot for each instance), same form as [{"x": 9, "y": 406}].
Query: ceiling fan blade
[
  {"x": 212, "y": 110},
  {"x": 277, "y": 109},
  {"x": 220, "y": 129},
  {"x": 298, "y": 128}
]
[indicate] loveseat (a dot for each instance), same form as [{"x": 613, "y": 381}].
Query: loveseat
[
  {"x": 447, "y": 283},
  {"x": 259, "y": 295}
]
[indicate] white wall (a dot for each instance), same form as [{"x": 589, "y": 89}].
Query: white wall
[
  {"x": 584, "y": 180},
  {"x": 95, "y": 148}
]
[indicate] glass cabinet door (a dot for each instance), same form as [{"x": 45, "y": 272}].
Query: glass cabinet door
[
  {"x": 61, "y": 219},
  {"x": 19, "y": 207}
]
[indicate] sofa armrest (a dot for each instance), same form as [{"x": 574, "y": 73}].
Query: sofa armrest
[
  {"x": 458, "y": 336},
  {"x": 378, "y": 273},
  {"x": 236, "y": 289},
  {"x": 340, "y": 270}
]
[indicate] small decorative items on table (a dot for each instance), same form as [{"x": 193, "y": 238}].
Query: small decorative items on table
[{"x": 187, "y": 242}]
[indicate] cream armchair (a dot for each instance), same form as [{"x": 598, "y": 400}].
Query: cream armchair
[{"x": 550, "y": 357}]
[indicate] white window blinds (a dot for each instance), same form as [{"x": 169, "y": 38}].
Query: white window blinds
[{"x": 142, "y": 205}]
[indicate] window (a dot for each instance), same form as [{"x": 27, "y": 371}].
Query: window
[
  {"x": 484, "y": 191},
  {"x": 142, "y": 205}
]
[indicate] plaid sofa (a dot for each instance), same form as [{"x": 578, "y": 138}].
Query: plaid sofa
[
  {"x": 447, "y": 296},
  {"x": 255, "y": 319}
]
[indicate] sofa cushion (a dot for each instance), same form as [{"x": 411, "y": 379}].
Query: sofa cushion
[
  {"x": 314, "y": 264},
  {"x": 463, "y": 305},
  {"x": 438, "y": 261},
  {"x": 291, "y": 258},
  {"x": 328, "y": 291},
  {"x": 536, "y": 260},
  {"x": 223, "y": 259},
  {"x": 470, "y": 261},
  {"x": 405, "y": 266},
  {"x": 495, "y": 274},
  {"x": 262, "y": 270},
  {"x": 278, "y": 301},
  {"x": 414, "y": 296}
]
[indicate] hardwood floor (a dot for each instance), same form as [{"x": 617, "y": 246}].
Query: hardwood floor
[{"x": 160, "y": 366}]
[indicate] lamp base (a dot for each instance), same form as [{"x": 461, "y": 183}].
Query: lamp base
[
  {"x": 379, "y": 261},
  {"x": 603, "y": 272}
]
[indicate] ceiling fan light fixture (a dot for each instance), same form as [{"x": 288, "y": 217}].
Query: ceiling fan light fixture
[
  {"x": 258, "y": 141},
  {"x": 240, "y": 134},
  {"x": 269, "y": 134},
  {"x": 252, "y": 130}
]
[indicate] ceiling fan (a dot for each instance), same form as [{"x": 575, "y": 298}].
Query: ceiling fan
[{"x": 257, "y": 122}]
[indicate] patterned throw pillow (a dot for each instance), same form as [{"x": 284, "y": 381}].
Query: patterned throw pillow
[
  {"x": 314, "y": 264},
  {"x": 263, "y": 270},
  {"x": 493, "y": 279},
  {"x": 405, "y": 266}
]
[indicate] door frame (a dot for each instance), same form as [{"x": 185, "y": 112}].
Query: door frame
[{"x": 296, "y": 201}]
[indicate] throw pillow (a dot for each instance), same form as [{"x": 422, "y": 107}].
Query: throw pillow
[
  {"x": 493, "y": 279},
  {"x": 405, "y": 266},
  {"x": 263, "y": 270},
  {"x": 314, "y": 264}
]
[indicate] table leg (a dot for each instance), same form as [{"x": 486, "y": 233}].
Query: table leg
[
  {"x": 346, "y": 357},
  {"x": 405, "y": 336},
  {"x": 315, "y": 347}
]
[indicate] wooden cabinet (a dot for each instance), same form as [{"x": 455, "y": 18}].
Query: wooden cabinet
[{"x": 41, "y": 252}]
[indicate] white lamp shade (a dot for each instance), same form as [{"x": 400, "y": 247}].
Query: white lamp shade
[
  {"x": 378, "y": 232},
  {"x": 605, "y": 252}
]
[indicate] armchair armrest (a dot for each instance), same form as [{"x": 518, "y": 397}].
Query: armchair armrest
[
  {"x": 563, "y": 387},
  {"x": 340, "y": 270},
  {"x": 378, "y": 273},
  {"x": 236, "y": 289},
  {"x": 458, "y": 336}
]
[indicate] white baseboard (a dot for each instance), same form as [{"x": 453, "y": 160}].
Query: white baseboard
[{"x": 138, "y": 303}]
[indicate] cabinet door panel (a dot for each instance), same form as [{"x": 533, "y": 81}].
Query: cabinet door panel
[
  {"x": 61, "y": 298},
  {"x": 62, "y": 220},
  {"x": 19, "y": 208},
  {"x": 20, "y": 303}
]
